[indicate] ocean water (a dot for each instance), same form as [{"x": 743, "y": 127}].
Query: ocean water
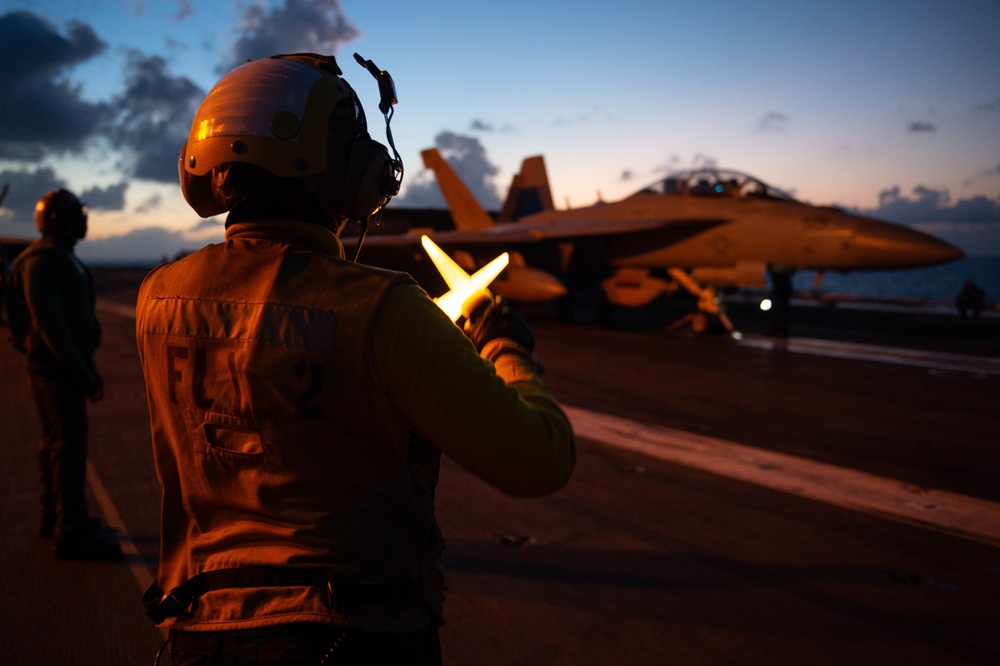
[{"x": 936, "y": 283}]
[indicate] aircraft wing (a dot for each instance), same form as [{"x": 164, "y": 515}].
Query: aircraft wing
[{"x": 533, "y": 232}]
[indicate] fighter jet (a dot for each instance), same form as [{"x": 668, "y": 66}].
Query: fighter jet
[{"x": 700, "y": 230}]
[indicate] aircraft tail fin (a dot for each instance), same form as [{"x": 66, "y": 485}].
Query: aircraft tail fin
[
  {"x": 465, "y": 210},
  {"x": 529, "y": 191}
]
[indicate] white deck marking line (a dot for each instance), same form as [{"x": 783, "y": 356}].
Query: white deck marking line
[
  {"x": 951, "y": 513},
  {"x": 982, "y": 365},
  {"x": 140, "y": 572}
]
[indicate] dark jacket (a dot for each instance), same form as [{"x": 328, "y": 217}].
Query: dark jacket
[{"x": 50, "y": 306}]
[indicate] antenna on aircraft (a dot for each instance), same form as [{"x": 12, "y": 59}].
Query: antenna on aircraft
[{"x": 3, "y": 192}]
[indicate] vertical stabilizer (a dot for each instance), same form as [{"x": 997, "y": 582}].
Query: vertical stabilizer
[
  {"x": 529, "y": 191},
  {"x": 465, "y": 210}
]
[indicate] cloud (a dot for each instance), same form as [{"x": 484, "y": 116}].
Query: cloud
[
  {"x": 676, "y": 163},
  {"x": 670, "y": 166},
  {"x": 111, "y": 197},
  {"x": 144, "y": 246},
  {"x": 469, "y": 160},
  {"x": 184, "y": 10},
  {"x": 700, "y": 161},
  {"x": 420, "y": 191},
  {"x": 153, "y": 117},
  {"x": 921, "y": 126},
  {"x": 972, "y": 224},
  {"x": 927, "y": 205},
  {"x": 17, "y": 217},
  {"x": 213, "y": 223},
  {"x": 479, "y": 125},
  {"x": 150, "y": 204},
  {"x": 988, "y": 107},
  {"x": 41, "y": 111},
  {"x": 773, "y": 122},
  {"x": 316, "y": 26}
]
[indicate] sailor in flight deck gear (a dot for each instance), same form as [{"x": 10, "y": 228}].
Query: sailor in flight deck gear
[
  {"x": 50, "y": 308},
  {"x": 299, "y": 402}
]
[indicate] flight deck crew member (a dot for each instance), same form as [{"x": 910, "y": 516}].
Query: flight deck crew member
[
  {"x": 50, "y": 307},
  {"x": 299, "y": 402}
]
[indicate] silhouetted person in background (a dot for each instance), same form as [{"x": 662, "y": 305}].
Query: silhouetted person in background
[
  {"x": 781, "y": 297},
  {"x": 50, "y": 307},
  {"x": 971, "y": 298},
  {"x": 300, "y": 402}
]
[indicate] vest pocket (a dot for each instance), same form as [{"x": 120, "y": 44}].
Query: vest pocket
[{"x": 232, "y": 438}]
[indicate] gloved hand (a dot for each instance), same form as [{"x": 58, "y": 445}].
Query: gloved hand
[
  {"x": 496, "y": 319},
  {"x": 92, "y": 384}
]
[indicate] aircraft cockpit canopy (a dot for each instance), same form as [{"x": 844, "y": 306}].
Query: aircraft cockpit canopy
[{"x": 710, "y": 182}]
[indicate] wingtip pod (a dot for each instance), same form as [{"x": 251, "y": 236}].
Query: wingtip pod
[{"x": 463, "y": 287}]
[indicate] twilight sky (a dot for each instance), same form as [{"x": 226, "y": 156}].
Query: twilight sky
[{"x": 888, "y": 107}]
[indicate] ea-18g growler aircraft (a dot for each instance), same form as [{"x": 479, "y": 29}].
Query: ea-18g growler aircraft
[{"x": 701, "y": 230}]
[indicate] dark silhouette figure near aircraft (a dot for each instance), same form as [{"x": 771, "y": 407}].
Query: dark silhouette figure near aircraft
[
  {"x": 781, "y": 307},
  {"x": 300, "y": 401},
  {"x": 970, "y": 299},
  {"x": 50, "y": 308}
]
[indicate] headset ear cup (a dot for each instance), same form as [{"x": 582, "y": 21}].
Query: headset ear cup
[
  {"x": 372, "y": 168},
  {"x": 361, "y": 187}
]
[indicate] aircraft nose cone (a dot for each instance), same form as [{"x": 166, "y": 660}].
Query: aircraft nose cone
[
  {"x": 948, "y": 252},
  {"x": 902, "y": 247},
  {"x": 929, "y": 250},
  {"x": 554, "y": 289}
]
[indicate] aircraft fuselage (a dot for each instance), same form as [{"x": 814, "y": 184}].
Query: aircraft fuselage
[{"x": 780, "y": 233}]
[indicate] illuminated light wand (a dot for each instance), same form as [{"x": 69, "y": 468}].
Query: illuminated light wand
[{"x": 463, "y": 287}]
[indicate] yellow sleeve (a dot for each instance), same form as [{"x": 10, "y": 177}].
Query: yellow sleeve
[{"x": 499, "y": 421}]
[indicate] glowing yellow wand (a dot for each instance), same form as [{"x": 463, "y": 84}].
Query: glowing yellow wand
[{"x": 462, "y": 286}]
